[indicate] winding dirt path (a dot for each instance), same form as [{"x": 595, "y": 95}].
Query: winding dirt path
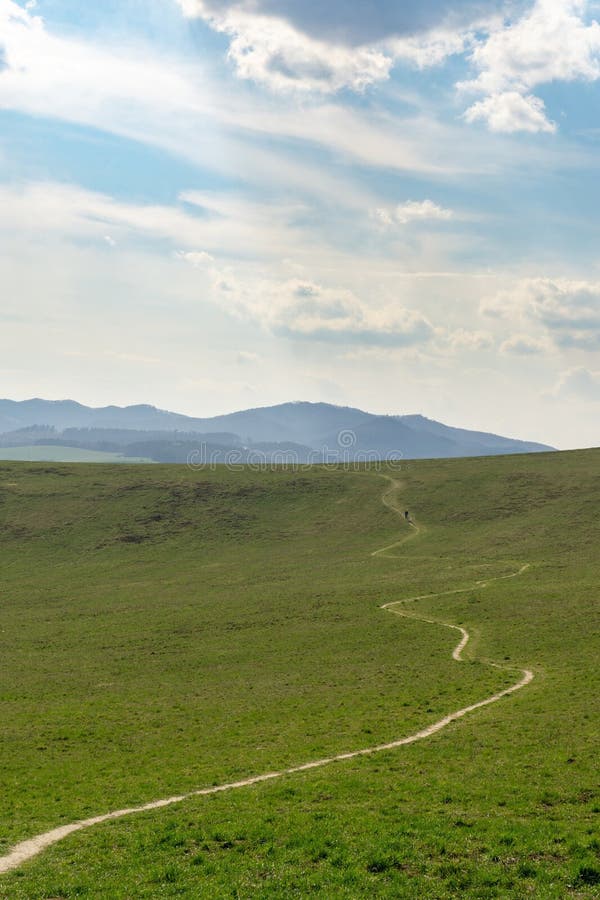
[{"x": 28, "y": 849}]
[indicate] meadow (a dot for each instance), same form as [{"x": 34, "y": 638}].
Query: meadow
[
  {"x": 52, "y": 453},
  {"x": 165, "y": 630}
]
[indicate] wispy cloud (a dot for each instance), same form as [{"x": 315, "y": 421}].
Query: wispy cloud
[
  {"x": 327, "y": 205},
  {"x": 174, "y": 104},
  {"x": 261, "y": 230}
]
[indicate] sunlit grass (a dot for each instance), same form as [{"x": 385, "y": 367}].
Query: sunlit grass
[{"x": 165, "y": 630}]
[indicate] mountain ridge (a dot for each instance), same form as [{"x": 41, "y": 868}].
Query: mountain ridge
[{"x": 316, "y": 426}]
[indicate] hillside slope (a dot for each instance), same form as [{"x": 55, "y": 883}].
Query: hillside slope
[{"x": 164, "y": 630}]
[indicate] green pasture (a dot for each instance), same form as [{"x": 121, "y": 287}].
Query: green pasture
[
  {"x": 164, "y": 630},
  {"x": 51, "y": 453}
]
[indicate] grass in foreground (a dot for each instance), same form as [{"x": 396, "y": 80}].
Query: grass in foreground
[{"x": 164, "y": 630}]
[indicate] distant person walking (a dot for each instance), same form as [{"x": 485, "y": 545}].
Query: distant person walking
[{"x": 406, "y": 515}]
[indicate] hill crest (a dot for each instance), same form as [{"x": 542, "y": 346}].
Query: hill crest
[{"x": 313, "y": 426}]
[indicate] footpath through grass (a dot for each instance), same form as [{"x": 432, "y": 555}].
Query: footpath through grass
[{"x": 164, "y": 630}]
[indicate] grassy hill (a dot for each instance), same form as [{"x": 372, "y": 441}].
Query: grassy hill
[{"x": 165, "y": 630}]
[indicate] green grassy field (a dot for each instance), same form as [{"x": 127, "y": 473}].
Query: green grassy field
[
  {"x": 165, "y": 630},
  {"x": 37, "y": 453}
]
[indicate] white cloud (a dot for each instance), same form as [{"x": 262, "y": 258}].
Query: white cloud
[
  {"x": 412, "y": 211},
  {"x": 551, "y": 42},
  {"x": 71, "y": 210},
  {"x": 323, "y": 48},
  {"x": 303, "y": 309},
  {"x": 511, "y": 111},
  {"x": 269, "y": 50},
  {"x": 48, "y": 74},
  {"x": 311, "y": 311},
  {"x": 308, "y": 310},
  {"x": 568, "y": 310},
  {"x": 227, "y": 221},
  {"x": 432, "y": 49},
  {"x": 290, "y": 46},
  {"x": 175, "y": 105},
  {"x": 256, "y": 238}
]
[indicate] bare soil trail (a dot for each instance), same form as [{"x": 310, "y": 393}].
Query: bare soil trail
[{"x": 31, "y": 848}]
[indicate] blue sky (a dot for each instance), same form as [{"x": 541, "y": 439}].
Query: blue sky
[{"x": 215, "y": 204}]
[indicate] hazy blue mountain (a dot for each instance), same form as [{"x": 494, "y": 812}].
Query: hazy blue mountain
[
  {"x": 308, "y": 423},
  {"x": 68, "y": 414},
  {"x": 327, "y": 429}
]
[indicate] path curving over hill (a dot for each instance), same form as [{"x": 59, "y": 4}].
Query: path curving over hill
[{"x": 32, "y": 847}]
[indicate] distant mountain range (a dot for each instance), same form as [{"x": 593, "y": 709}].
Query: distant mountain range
[{"x": 306, "y": 432}]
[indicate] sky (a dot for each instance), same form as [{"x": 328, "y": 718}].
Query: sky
[{"x": 209, "y": 205}]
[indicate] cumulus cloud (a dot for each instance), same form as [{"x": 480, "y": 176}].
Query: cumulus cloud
[
  {"x": 270, "y": 50},
  {"x": 551, "y": 42},
  {"x": 308, "y": 310},
  {"x": 412, "y": 211},
  {"x": 568, "y": 311},
  {"x": 511, "y": 111},
  {"x": 305, "y": 310},
  {"x": 324, "y": 47},
  {"x": 308, "y": 45}
]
